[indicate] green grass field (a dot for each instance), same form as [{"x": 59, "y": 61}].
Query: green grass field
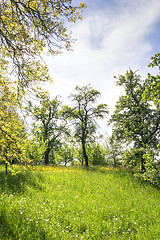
[{"x": 75, "y": 203}]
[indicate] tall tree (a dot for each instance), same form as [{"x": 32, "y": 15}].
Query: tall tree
[
  {"x": 27, "y": 28},
  {"x": 152, "y": 91},
  {"x": 12, "y": 133},
  {"x": 136, "y": 120},
  {"x": 84, "y": 114},
  {"x": 113, "y": 150},
  {"x": 49, "y": 127}
]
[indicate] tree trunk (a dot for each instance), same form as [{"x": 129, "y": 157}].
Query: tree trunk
[
  {"x": 6, "y": 163},
  {"x": 143, "y": 165},
  {"x": 143, "y": 169},
  {"x": 6, "y": 168},
  {"x": 85, "y": 154},
  {"x": 82, "y": 160},
  {"x": 46, "y": 157}
]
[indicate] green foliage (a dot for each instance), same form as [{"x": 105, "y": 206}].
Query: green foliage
[
  {"x": 96, "y": 154},
  {"x": 35, "y": 150},
  {"x": 30, "y": 27},
  {"x": 65, "y": 154},
  {"x": 83, "y": 115},
  {"x": 152, "y": 173},
  {"x": 12, "y": 131},
  {"x": 153, "y": 83},
  {"x": 113, "y": 151},
  {"x": 27, "y": 30},
  {"x": 133, "y": 157},
  {"x": 49, "y": 126},
  {"x": 75, "y": 203},
  {"x": 136, "y": 120},
  {"x": 79, "y": 155}
]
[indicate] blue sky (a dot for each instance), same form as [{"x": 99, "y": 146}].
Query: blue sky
[{"x": 115, "y": 35}]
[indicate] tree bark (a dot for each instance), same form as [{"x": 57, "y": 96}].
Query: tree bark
[
  {"x": 143, "y": 169},
  {"x": 85, "y": 154},
  {"x": 46, "y": 157},
  {"x": 143, "y": 166},
  {"x": 6, "y": 168}
]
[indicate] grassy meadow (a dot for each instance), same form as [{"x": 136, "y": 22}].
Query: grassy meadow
[{"x": 76, "y": 203}]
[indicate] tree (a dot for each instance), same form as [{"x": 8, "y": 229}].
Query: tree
[
  {"x": 35, "y": 149},
  {"x": 84, "y": 114},
  {"x": 96, "y": 154},
  {"x": 12, "y": 131},
  {"x": 153, "y": 83},
  {"x": 49, "y": 126},
  {"x": 136, "y": 120},
  {"x": 65, "y": 154},
  {"x": 28, "y": 28},
  {"x": 113, "y": 149}
]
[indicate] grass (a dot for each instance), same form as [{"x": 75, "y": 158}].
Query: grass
[{"x": 75, "y": 203}]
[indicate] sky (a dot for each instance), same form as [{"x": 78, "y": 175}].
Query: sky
[{"x": 113, "y": 37}]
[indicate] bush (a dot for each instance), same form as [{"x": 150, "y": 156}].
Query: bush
[
  {"x": 96, "y": 154},
  {"x": 152, "y": 170}
]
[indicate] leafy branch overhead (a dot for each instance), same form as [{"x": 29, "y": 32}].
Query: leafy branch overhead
[{"x": 27, "y": 28}]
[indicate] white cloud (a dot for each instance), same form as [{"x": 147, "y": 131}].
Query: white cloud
[{"x": 109, "y": 41}]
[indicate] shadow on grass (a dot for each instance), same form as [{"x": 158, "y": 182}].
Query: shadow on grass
[{"x": 19, "y": 182}]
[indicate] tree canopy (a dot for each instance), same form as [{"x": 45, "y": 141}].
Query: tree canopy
[
  {"x": 48, "y": 126},
  {"x": 12, "y": 132},
  {"x": 152, "y": 91},
  {"x": 84, "y": 114},
  {"x": 135, "y": 119},
  {"x": 28, "y": 28}
]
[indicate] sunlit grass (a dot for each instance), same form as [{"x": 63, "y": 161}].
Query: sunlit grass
[{"x": 75, "y": 203}]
